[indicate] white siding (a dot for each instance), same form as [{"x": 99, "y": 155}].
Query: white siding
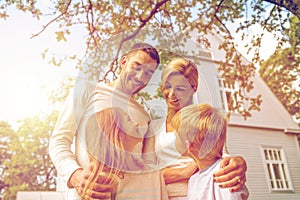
[{"x": 246, "y": 142}]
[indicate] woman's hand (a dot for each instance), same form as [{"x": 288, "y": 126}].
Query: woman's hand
[
  {"x": 232, "y": 173},
  {"x": 190, "y": 169},
  {"x": 174, "y": 174}
]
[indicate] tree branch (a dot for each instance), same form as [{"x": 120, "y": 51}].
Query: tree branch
[
  {"x": 53, "y": 20},
  {"x": 220, "y": 21},
  {"x": 292, "y": 6},
  {"x": 144, "y": 22},
  {"x": 90, "y": 23}
]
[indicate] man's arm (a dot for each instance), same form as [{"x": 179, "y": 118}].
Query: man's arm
[
  {"x": 232, "y": 173},
  {"x": 61, "y": 140},
  {"x": 63, "y": 136}
]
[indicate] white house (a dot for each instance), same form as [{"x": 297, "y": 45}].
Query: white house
[{"x": 269, "y": 143}]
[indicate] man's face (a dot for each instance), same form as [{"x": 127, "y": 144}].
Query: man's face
[{"x": 137, "y": 70}]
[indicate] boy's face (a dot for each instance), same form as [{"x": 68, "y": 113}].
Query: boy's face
[{"x": 182, "y": 146}]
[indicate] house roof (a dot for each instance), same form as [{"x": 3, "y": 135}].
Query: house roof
[{"x": 272, "y": 114}]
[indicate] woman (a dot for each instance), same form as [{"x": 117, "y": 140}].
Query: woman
[{"x": 179, "y": 84}]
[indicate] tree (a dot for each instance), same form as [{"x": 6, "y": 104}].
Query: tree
[
  {"x": 25, "y": 162},
  {"x": 7, "y": 135},
  {"x": 125, "y": 20},
  {"x": 282, "y": 71}
]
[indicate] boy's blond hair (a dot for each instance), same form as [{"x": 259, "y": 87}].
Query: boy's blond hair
[{"x": 201, "y": 129}]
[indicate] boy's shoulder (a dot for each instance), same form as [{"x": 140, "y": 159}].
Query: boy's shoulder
[{"x": 197, "y": 191}]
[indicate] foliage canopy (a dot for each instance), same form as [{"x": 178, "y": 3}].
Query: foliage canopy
[
  {"x": 25, "y": 164},
  {"x": 126, "y": 20}
]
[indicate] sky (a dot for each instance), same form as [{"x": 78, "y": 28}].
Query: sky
[{"x": 26, "y": 78}]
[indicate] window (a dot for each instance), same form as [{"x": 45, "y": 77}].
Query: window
[
  {"x": 278, "y": 176},
  {"x": 203, "y": 46},
  {"x": 227, "y": 92}
]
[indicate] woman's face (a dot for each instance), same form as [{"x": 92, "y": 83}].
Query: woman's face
[{"x": 178, "y": 92}]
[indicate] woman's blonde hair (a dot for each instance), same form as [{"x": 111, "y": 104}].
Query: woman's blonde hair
[
  {"x": 184, "y": 67},
  {"x": 202, "y": 128}
]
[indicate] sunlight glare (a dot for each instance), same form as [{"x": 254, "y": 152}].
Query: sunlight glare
[{"x": 26, "y": 102}]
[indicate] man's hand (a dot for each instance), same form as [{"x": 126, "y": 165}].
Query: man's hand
[
  {"x": 232, "y": 173},
  {"x": 99, "y": 190}
]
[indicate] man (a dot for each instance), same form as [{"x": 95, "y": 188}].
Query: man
[{"x": 137, "y": 68}]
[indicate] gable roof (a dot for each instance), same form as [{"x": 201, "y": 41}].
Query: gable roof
[{"x": 273, "y": 114}]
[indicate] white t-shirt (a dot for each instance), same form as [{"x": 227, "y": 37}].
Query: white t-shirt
[{"x": 202, "y": 187}]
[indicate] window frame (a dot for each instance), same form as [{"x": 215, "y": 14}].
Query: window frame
[
  {"x": 224, "y": 90},
  {"x": 284, "y": 184}
]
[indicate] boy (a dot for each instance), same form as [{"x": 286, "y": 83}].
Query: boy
[{"x": 200, "y": 134}]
